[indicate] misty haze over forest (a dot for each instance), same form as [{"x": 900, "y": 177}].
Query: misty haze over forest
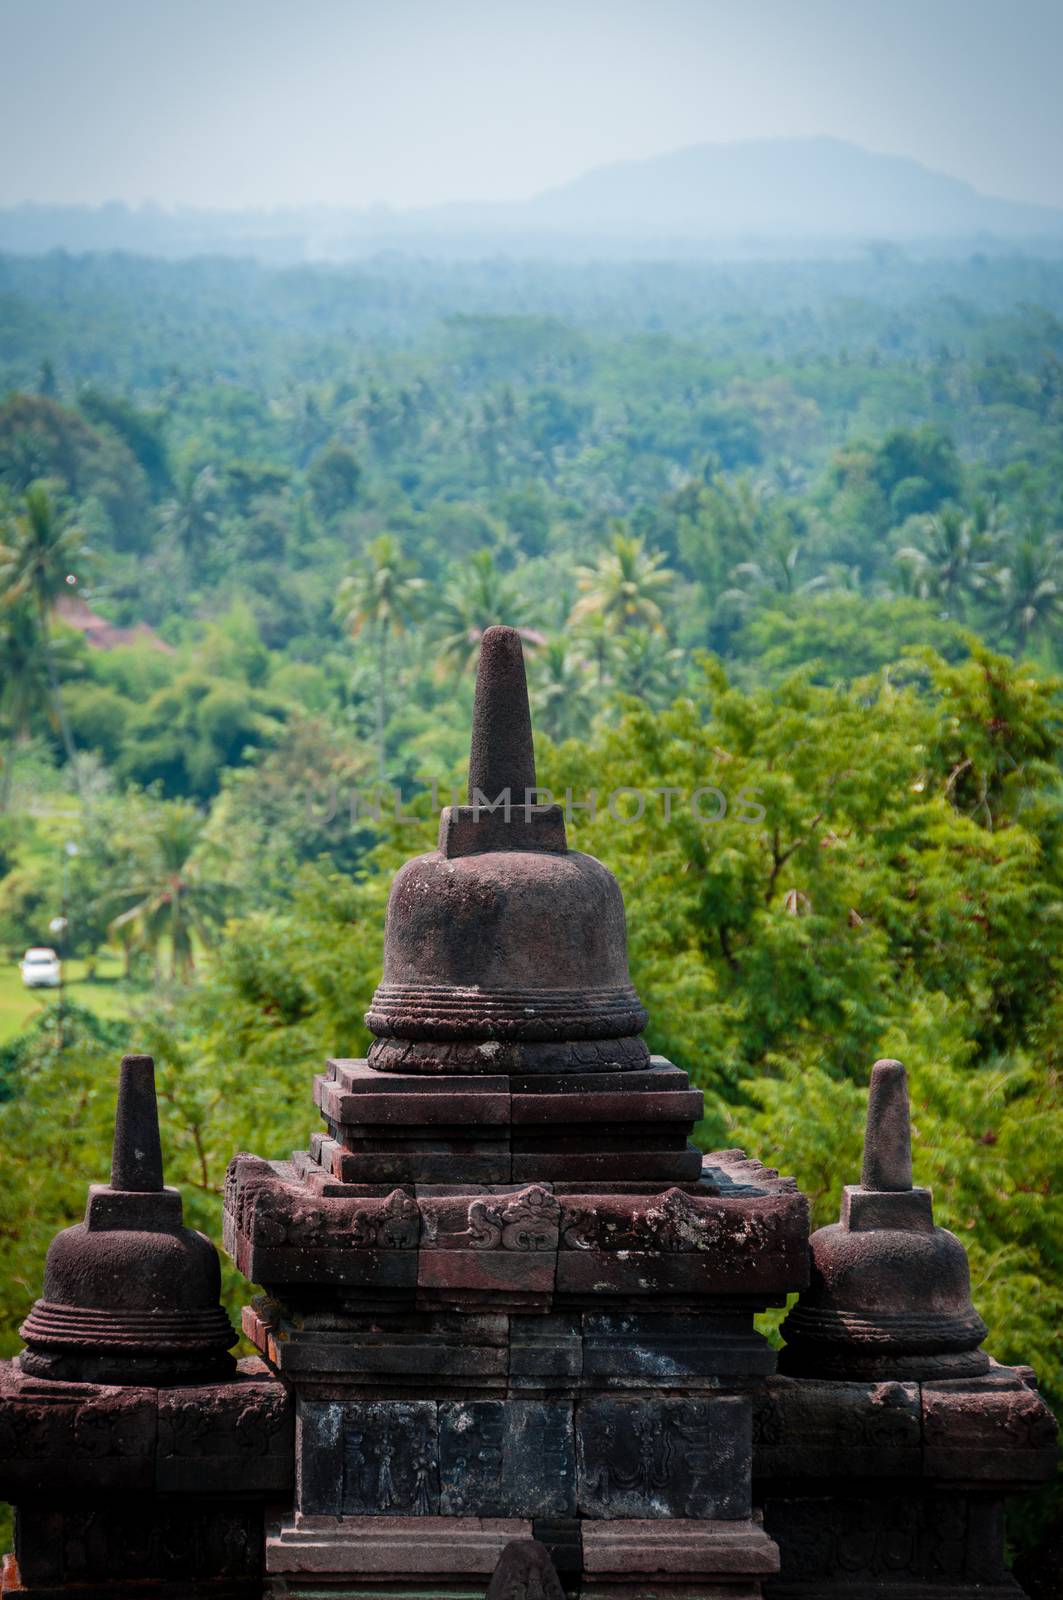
[{"x": 748, "y": 199}]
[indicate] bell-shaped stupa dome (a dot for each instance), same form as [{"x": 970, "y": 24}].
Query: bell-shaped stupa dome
[{"x": 504, "y": 950}]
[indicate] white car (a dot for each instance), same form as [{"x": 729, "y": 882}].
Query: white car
[{"x": 40, "y": 969}]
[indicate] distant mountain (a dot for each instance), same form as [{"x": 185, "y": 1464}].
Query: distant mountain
[
  {"x": 769, "y": 197},
  {"x": 791, "y": 187}
]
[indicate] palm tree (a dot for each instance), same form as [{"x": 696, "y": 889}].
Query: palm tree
[
  {"x": 955, "y": 559},
  {"x": 25, "y": 685},
  {"x": 1030, "y": 590},
  {"x": 759, "y": 582},
  {"x": 623, "y": 586},
  {"x": 474, "y": 599},
  {"x": 37, "y": 559},
  {"x": 595, "y": 638},
  {"x": 382, "y": 596},
  {"x": 563, "y": 707},
  {"x": 647, "y": 666},
  {"x": 191, "y": 517},
  {"x": 172, "y": 895}
]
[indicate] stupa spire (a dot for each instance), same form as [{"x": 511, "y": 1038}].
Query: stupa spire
[
  {"x": 136, "y": 1159},
  {"x": 505, "y": 810},
  {"x": 501, "y": 752},
  {"x": 888, "y": 1137}
]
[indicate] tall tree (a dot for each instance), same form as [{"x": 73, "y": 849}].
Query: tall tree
[
  {"x": 647, "y": 667},
  {"x": 1029, "y": 598},
  {"x": 383, "y": 597},
  {"x": 562, "y": 704},
  {"x": 25, "y": 685},
  {"x": 775, "y": 574},
  {"x": 475, "y": 598},
  {"x": 954, "y": 561},
  {"x": 41, "y": 551},
  {"x": 190, "y": 517},
  {"x": 594, "y": 637},
  {"x": 175, "y": 894},
  {"x": 626, "y": 585}
]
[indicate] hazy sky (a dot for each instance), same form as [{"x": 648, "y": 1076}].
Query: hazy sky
[{"x": 408, "y": 102}]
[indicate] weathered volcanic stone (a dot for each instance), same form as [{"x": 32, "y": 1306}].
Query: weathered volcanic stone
[
  {"x": 895, "y": 1488},
  {"x": 629, "y": 1349},
  {"x": 664, "y": 1458},
  {"x": 479, "y": 1458},
  {"x": 545, "y": 1351},
  {"x": 365, "y": 1458},
  {"x": 390, "y": 1548},
  {"x": 507, "y": 1458},
  {"x": 501, "y": 754},
  {"x": 676, "y": 1549},
  {"x": 82, "y": 1437},
  {"x": 819, "y": 1428},
  {"x": 503, "y": 938},
  {"x": 894, "y": 1545},
  {"x": 136, "y": 1162},
  {"x": 124, "y": 1492},
  {"x": 990, "y": 1430},
  {"x": 132, "y": 1547},
  {"x": 153, "y": 1484},
  {"x": 525, "y": 1571},
  {"x": 130, "y": 1295},
  {"x": 890, "y": 1294},
  {"x": 888, "y": 1145}
]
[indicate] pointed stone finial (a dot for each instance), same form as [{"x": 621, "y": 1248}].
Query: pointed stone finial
[
  {"x": 888, "y": 1139},
  {"x": 525, "y": 1571},
  {"x": 136, "y": 1161},
  {"x": 501, "y": 753}
]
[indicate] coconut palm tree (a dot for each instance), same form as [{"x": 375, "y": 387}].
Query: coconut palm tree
[
  {"x": 383, "y": 596},
  {"x": 624, "y": 586},
  {"x": 474, "y": 599},
  {"x": 597, "y": 642},
  {"x": 954, "y": 560},
  {"x": 174, "y": 895},
  {"x": 25, "y": 684},
  {"x": 757, "y": 582},
  {"x": 40, "y": 554},
  {"x": 190, "y": 517},
  {"x": 647, "y": 666},
  {"x": 560, "y": 699},
  {"x": 1029, "y": 597}
]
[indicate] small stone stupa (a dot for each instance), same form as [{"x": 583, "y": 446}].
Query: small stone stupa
[
  {"x": 130, "y": 1294},
  {"x": 140, "y": 1456},
  {"x": 890, "y": 1295},
  {"x": 888, "y": 1441}
]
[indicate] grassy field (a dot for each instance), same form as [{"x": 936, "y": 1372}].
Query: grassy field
[{"x": 105, "y": 994}]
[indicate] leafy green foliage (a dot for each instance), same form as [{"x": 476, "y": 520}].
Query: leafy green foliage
[{"x": 293, "y": 503}]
